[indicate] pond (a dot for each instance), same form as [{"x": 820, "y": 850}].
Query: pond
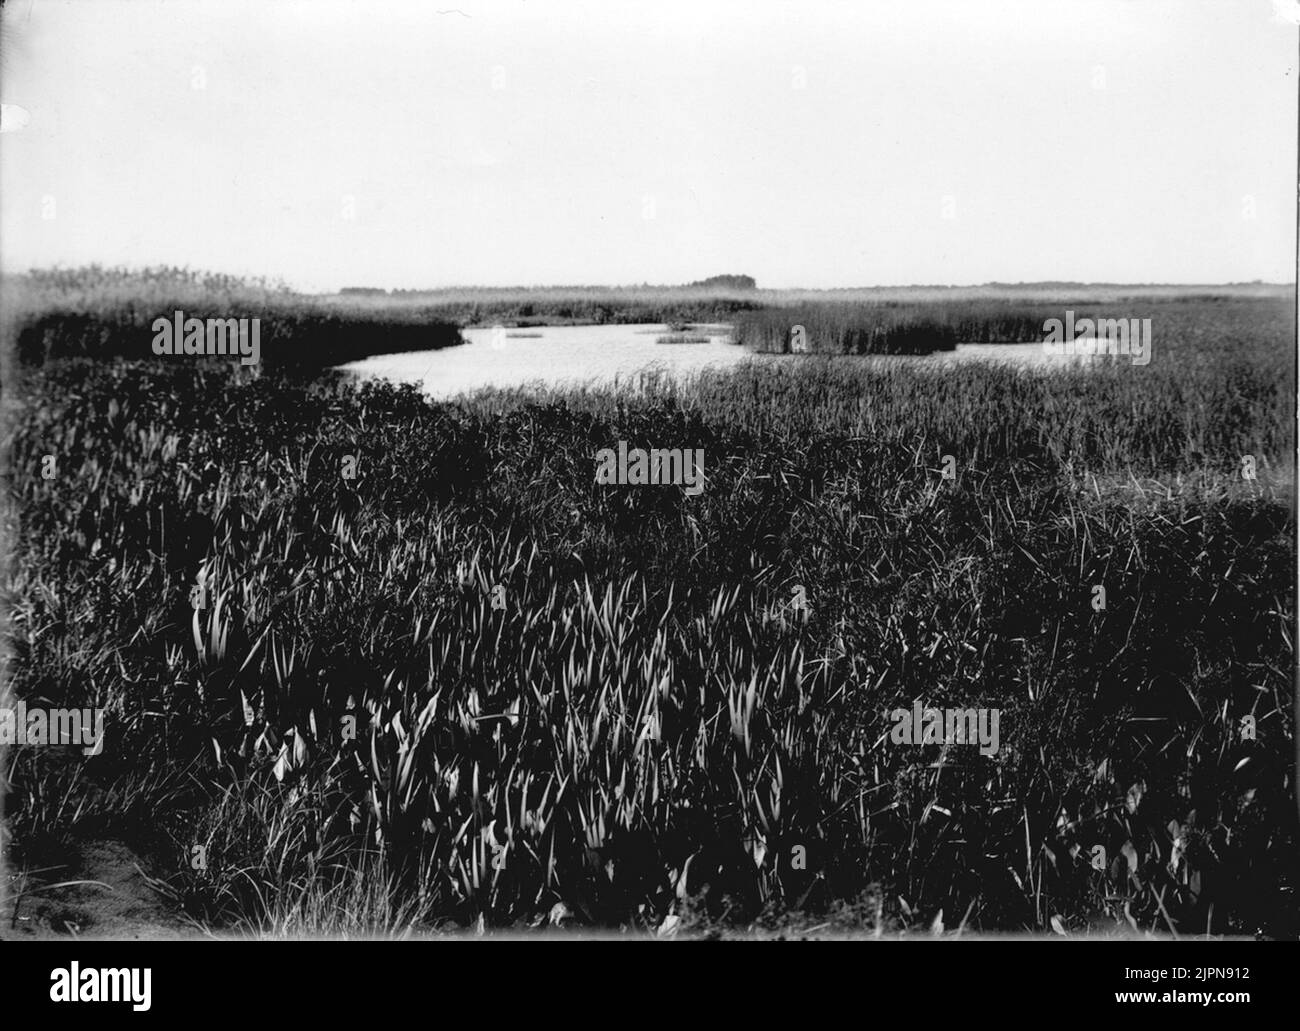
[{"x": 563, "y": 356}]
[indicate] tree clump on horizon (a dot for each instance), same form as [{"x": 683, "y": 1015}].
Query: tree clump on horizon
[{"x": 727, "y": 282}]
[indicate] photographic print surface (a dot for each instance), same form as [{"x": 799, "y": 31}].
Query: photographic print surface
[{"x": 658, "y": 470}]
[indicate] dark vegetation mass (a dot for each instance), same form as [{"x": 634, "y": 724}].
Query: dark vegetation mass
[{"x": 439, "y": 674}]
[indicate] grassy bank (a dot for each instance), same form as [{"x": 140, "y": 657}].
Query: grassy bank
[
  {"x": 469, "y": 682},
  {"x": 905, "y": 326},
  {"x": 108, "y": 314}
]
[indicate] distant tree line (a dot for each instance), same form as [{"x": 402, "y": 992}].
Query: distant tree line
[{"x": 726, "y": 283}]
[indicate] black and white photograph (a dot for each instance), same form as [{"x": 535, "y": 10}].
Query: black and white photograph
[{"x": 686, "y": 470}]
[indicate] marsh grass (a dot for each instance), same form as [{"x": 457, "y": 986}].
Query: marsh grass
[
  {"x": 357, "y": 738},
  {"x": 890, "y": 327},
  {"x": 859, "y": 315},
  {"x": 108, "y": 313}
]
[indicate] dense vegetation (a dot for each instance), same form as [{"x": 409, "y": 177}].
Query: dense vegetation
[
  {"x": 725, "y": 282},
  {"x": 988, "y": 314},
  {"x": 903, "y": 326},
  {"x": 107, "y": 313},
  {"x": 440, "y": 673}
]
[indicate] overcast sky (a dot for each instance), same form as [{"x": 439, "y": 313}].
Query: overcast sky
[{"x": 528, "y": 142}]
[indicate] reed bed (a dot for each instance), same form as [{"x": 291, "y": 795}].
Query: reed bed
[
  {"x": 106, "y": 313},
  {"x": 892, "y": 326},
  {"x": 470, "y": 684}
]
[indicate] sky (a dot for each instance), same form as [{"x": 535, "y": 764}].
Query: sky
[{"x": 521, "y": 142}]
